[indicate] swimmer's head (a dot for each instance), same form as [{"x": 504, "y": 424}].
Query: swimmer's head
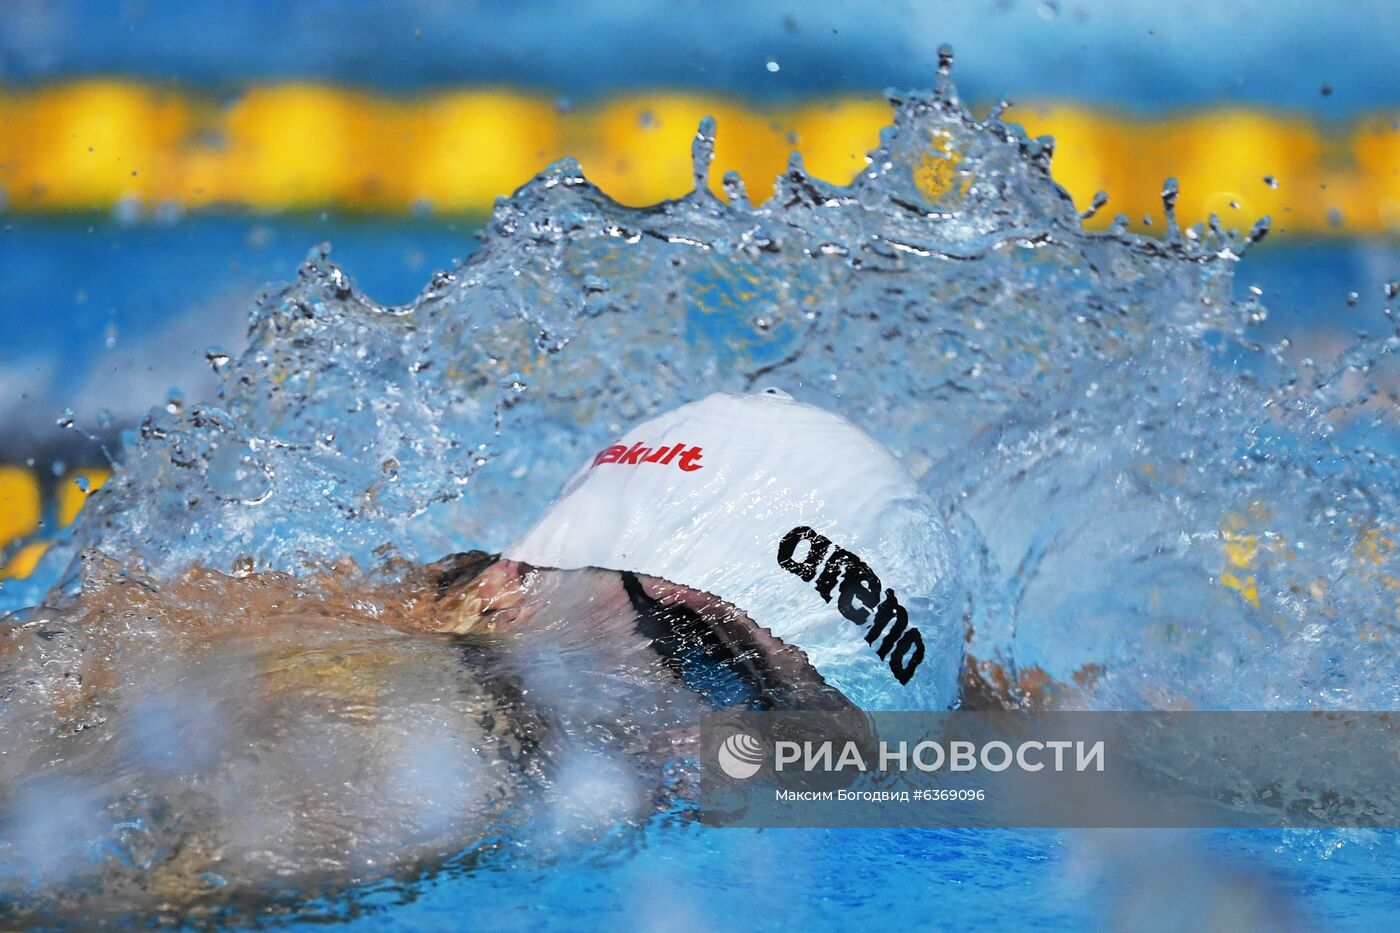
[{"x": 792, "y": 514}]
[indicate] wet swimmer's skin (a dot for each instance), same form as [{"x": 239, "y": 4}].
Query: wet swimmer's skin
[
  {"x": 753, "y": 532},
  {"x": 700, "y": 638},
  {"x": 210, "y": 740}
]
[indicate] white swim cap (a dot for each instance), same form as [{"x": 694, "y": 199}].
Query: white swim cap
[{"x": 790, "y": 513}]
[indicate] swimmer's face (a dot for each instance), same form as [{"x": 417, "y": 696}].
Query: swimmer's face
[
  {"x": 507, "y": 596},
  {"x": 488, "y": 598},
  {"x": 694, "y": 632}
]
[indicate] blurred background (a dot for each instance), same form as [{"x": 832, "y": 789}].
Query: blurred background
[{"x": 161, "y": 162}]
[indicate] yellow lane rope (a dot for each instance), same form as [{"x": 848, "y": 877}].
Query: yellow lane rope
[
  {"x": 24, "y": 516},
  {"x": 94, "y": 145}
]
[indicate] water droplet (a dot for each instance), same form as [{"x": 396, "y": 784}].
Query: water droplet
[
  {"x": 217, "y": 357},
  {"x": 772, "y": 66},
  {"x": 945, "y": 60},
  {"x": 1048, "y": 9},
  {"x": 647, "y": 119},
  {"x": 66, "y": 419},
  {"x": 1327, "y": 90},
  {"x": 1170, "y": 191},
  {"x": 1271, "y": 181},
  {"x": 1100, "y": 199},
  {"x": 82, "y": 483},
  {"x": 1260, "y": 229},
  {"x": 1352, "y": 299},
  {"x": 702, "y": 153}
]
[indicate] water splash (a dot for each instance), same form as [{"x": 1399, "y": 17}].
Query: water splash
[
  {"x": 1153, "y": 508},
  {"x": 1124, "y": 461}
]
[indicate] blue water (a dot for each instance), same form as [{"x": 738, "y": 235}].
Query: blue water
[
  {"x": 688, "y": 878},
  {"x": 1276, "y": 53},
  {"x": 1029, "y": 373}
]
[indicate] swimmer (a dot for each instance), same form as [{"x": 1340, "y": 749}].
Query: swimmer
[
  {"x": 752, "y": 535},
  {"x": 741, "y": 551}
]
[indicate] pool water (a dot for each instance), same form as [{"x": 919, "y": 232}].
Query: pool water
[{"x": 1144, "y": 474}]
